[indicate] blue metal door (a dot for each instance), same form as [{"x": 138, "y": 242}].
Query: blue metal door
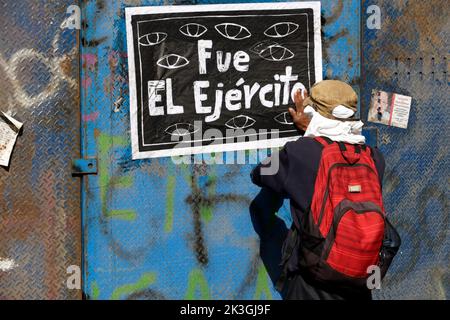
[{"x": 154, "y": 230}]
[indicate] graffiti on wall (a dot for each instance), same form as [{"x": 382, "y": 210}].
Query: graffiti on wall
[
  {"x": 161, "y": 230},
  {"x": 39, "y": 199}
]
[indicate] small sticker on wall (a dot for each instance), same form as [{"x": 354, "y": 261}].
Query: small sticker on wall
[
  {"x": 391, "y": 109},
  {"x": 9, "y": 130}
]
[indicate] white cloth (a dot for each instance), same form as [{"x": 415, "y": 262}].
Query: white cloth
[
  {"x": 342, "y": 112},
  {"x": 336, "y": 130}
]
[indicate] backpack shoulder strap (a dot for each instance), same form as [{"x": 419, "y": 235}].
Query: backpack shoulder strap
[
  {"x": 288, "y": 249},
  {"x": 324, "y": 141}
]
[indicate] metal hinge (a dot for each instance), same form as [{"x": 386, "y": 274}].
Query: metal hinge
[{"x": 84, "y": 166}]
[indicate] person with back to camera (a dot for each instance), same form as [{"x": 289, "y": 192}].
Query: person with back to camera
[{"x": 333, "y": 180}]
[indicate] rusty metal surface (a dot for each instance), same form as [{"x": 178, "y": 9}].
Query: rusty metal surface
[
  {"x": 409, "y": 55},
  {"x": 154, "y": 230},
  {"x": 39, "y": 199}
]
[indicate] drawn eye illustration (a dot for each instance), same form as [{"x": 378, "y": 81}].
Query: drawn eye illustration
[
  {"x": 284, "y": 118},
  {"x": 281, "y": 29},
  {"x": 276, "y": 53},
  {"x": 181, "y": 129},
  {"x": 172, "y": 61},
  {"x": 263, "y": 45},
  {"x": 194, "y": 30},
  {"x": 152, "y": 39},
  {"x": 240, "y": 122},
  {"x": 233, "y": 31}
]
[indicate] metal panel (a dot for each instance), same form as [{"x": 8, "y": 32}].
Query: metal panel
[
  {"x": 409, "y": 55},
  {"x": 39, "y": 199},
  {"x": 154, "y": 230}
]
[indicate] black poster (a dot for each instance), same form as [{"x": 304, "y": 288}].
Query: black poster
[{"x": 217, "y": 78}]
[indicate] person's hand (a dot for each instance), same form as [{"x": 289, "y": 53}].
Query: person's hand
[{"x": 301, "y": 121}]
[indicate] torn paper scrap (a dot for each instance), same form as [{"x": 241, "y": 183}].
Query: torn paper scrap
[
  {"x": 7, "y": 264},
  {"x": 391, "y": 109},
  {"x": 9, "y": 130}
]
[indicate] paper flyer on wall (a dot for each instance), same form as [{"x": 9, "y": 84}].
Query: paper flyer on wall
[
  {"x": 9, "y": 130},
  {"x": 389, "y": 108},
  {"x": 218, "y": 78}
]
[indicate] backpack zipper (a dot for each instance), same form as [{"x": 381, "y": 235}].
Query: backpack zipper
[{"x": 322, "y": 210}]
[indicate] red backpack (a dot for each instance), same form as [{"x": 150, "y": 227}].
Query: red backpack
[{"x": 345, "y": 230}]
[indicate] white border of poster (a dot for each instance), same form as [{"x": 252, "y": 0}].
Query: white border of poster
[{"x": 260, "y": 144}]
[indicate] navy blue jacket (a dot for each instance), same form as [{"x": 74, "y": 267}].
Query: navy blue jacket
[
  {"x": 295, "y": 179},
  {"x": 298, "y": 165}
]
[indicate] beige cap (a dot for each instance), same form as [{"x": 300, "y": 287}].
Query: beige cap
[{"x": 328, "y": 94}]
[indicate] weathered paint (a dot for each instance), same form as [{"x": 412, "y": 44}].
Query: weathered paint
[
  {"x": 144, "y": 282},
  {"x": 7, "y": 264},
  {"x": 409, "y": 55},
  {"x": 153, "y": 230},
  {"x": 40, "y": 234},
  {"x": 197, "y": 287},
  {"x": 189, "y": 225}
]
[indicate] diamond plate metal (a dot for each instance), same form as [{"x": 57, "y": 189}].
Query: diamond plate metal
[
  {"x": 409, "y": 55},
  {"x": 39, "y": 199},
  {"x": 156, "y": 230}
]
